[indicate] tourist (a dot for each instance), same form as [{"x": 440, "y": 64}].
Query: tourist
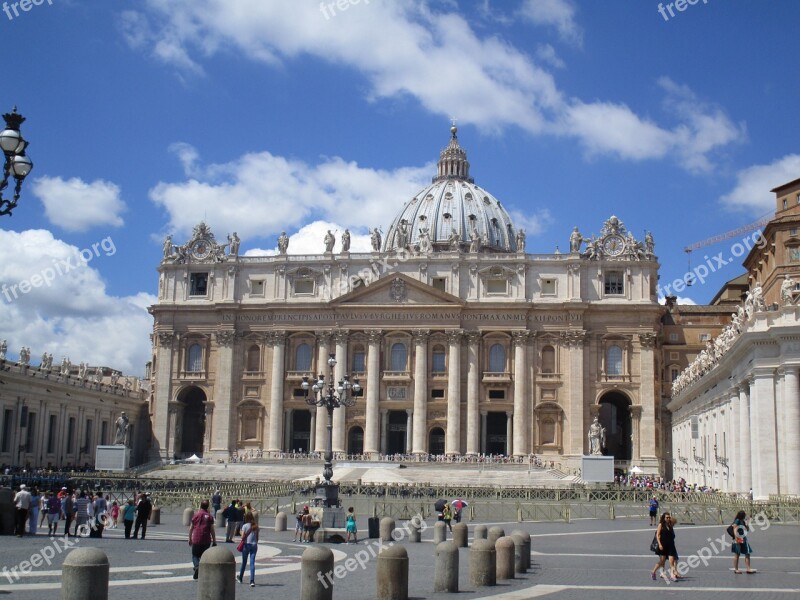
[
  {"x": 250, "y": 537},
  {"x": 82, "y": 505},
  {"x": 128, "y": 514},
  {"x": 665, "y": 536},
  {"x": 653, "y": 505},
  {"x": 298, "y": 526},
  {"x": 22, "y": 502},
  {"x": 308, "y": 528},
  {"x": 740, "y": 545},
  {"x": 33, "y": 513},
  {"x": 201, "y": 535},
  {"x": 447, "y": 516},
  {"x": 53, "y": 511},
  {"x": 350, "y": 526},
  {"x": 143, "y": 510},
  {"x": 216, "y": 502},
  {"x": 114, "y": 515},
  {"x": 234, "y": 516},
  {"x": 67, "y": 511}
]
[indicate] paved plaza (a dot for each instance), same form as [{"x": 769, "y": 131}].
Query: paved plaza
[{"x": 582, "y": 559}]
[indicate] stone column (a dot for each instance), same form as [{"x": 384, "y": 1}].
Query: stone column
[
  {"x": 224, "y": 438},
  {"x": 312, "y": 434},
  {"x": 287, "y": 430},
  {"x": 278, "y": 343},
  {"x": 339, "y": 415},
  {"x": 509, "y": 432},
  {"x": 734, "y": 438},
  {"x": 473, "y": 393},
  {"x": 484, "y": 415},
  {"x": 576, "y": 427},
  {"x": 384, "y": 430},
  {"x": 419, "y": 443},
  {"x": 745, "y": 476},
  {"x": 636, "y": 434},
  {"x": 762, "y": 442},
  {"x": 521, "y": 443},
  {"x": 409, "y": 427},
  {"x": 161, "y": 421},
  {"x": 323, "y": 352},
  {"x": 790, "y": 474},
  {"x": 453, "y": 439},
  {"x": 647, "y": 396},
  {"x": 372, "y": 430}
]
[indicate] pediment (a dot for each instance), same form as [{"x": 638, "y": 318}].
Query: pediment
[{"x": 396, "y": 290}]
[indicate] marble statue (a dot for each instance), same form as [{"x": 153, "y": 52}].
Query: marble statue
[
  {"x": 521, "y": 240},
  {"x": 283, "y": 243},
  {"x": 346, "y": 241},
  {"x": 168, "y": 246},
  {"x": 122, "y": 430},
  {"x": 25, "y": 356},
  {"x": 474, "y": 241},
  {"x": 787, "y": 291},
  {"x": 649, "y": 243},
  {"x": 330, "y": 240},
  {"x": 375, "y": 239},
  {"x": 424, "y": 240},
  {"x": 114, "y": 378},
  {"x": 3, "y": 349},
  {"x": 575, "y": 240},
  {"x": 454, "y": 240},
  {"x": 402, "y": 234},
  {"x": 234, "y": 241},
  {"x": 65, "y": 366},
  {"x": 597, "y": 437}
]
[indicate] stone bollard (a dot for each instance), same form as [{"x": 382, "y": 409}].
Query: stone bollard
[
  {"x": 481, "y": 531},
  {"x": 446, "y": 577},
  {"x": 217, "y": 574},
  {"x": 482, "y": 563},
  {"x": 316, "y": 560},
  {"x": 526, "y": 547},
  {"x": 495, "y": 533},
  {"x": 519, "y": 553},
  {"x": 439, "y": 532},
  {"x": 392, "y": 573},
  {"x": 505, "y": 557},
  {"x": 219, "y": 520},
  {"x": 387, "y": 528},
  {"x": 188, "y": 513},
  {"x": 280, "y": 521},
  {"x": 155, "y": 516},
  {"x": 461, "y": 535},
  {"x": 85, "y": 575},
  {"x": 414, "y": 532}
]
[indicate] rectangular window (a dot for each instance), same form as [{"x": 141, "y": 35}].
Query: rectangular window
[
  {"x": 695, "y": 427},
  {"x": 705, "y": 337},
  {"x": 673, "y": 337},
  {"x": 439, "y": 283},
  {"x": 198, "y": 284},
  {"x": 548, "y": 287},
  {"x": 497, "y": 286},
  {"x": 437, "y": 394},
  {"x": 798, "y": 198},
  {"x": 87, "y": 438},
  {"x": 257, "y": 287},
  {"x": 71, "y": 435},
  {"x": 51, "y": 434},
  {"x": 358, "y": 362},
  {"x": 299, "y": 393},
  {"x": 794, "y": 254},
  {"x": 104, "y": 433},
  {"x": 8, "y": 428},
  {"x": 304, "y": 287},
  {"x": 497, "y": 394},
  {"x": 438, "y": 365},
  {"x": 674, "y": 356},
  {"x": 614, "y": 283},
  {"x": 674, "y": 372},
  {"x": 30, "y": 438}
]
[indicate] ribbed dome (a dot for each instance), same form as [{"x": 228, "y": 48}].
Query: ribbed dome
[{"x": 452, "y": 203}]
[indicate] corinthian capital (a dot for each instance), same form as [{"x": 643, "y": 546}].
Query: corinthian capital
[
  {"x": 374, "y": 336},
  {"x": 648, "y": 339},
  {"x": 454, "y": 336},
  {"x": 421, "y": 335},
  {"x": 225, "y": 337},
  {"x": 520, "y": 337},
  {"x": 165, "y": 338}
]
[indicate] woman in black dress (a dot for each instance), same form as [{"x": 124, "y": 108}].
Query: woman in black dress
[{"x": 665, "y": 534}]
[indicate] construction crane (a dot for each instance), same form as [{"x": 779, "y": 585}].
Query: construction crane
[{"x": 724, "y": 236}]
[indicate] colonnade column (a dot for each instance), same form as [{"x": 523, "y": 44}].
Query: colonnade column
[
  {"x": 312, "y": 434},
  {"x": 409, "y": 426},
  {"x": 373, "y": 420},
  {"x": 762, "y": 439},
  {"x": 384, "y": 430},
  {"x": 453, "y": 439},
  {"x": 419, "y": 442},
  {"x": 224, "y": 439},
  {"x": 576, "y": 429},
  {"x": 278, "y": 343},
  {"x": 636, "y": 433},
  {"x": 509, "y": 432},
  {"x": 521, "y": 430},
  {"x": 733, "y": 453},
  {"x": 790, "y": 475},
  {"x": 287, "y": 430},
  {"x": 647, "y": 398},
  {"x": 745, "y": 475},
  {"x": 161, "y": 420},
  {"x": 321, "y": 413},
  {"x": 484, "y": 432},
  {"x": 473, "y": 391},
  {"x": 340, "y": 415}
]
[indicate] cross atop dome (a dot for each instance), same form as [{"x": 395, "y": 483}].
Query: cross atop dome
[{"x": 453, "y": 163}]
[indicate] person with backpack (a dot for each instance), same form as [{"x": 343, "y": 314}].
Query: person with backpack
[
  {"x": 201, "y": 535},
  {"x": 740, "y": 545},
  {"x": 249, "y": 545}
]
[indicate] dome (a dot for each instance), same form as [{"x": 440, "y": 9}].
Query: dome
[{"x": 453, "y": 213}]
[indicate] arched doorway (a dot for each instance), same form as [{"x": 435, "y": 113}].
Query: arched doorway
[
  {"x": 436, "y": 441},
  {"x": 191, "y": 424},
  {"x": 615, "y": 416},
  {"x": 355, "y": 440},
  {"x": 301, "y": 431}
]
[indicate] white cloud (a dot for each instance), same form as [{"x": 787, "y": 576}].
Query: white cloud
[
  {"x": 261, "y": 194},
  {"x": 680, "y": 300},
  {"x": 753, "y": 184},
  {"x": 435, "y": 56},
  {"x": 75, "y": 205},
  {"x": 547, "y": 54},
  {"x": 534, "y": 223},
  {"x": 309, "y": 239},
  {"x": 558, "y": 13},
  {"x": 52, "y": 301}
]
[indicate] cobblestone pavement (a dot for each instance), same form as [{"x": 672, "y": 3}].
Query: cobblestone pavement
[{"x": 583, "y": 559}]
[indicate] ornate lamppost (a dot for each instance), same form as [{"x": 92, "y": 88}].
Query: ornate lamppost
[
  {"x": 16, "y": 162},
  {"x": 331, "y": 397}
]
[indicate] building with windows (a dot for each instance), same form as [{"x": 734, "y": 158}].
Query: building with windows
[{"x": 463, "y": 342}]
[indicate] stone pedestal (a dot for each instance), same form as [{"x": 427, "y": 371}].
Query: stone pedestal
[
  {"x": 597, "y": 469},
  {"x": 112, "y": 458}
]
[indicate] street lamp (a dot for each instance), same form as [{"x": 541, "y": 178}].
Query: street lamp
[
  {"x": 330, "y": 397},
  {"x": 16, "y": 161}
]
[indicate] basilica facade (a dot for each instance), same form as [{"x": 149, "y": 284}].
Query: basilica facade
[{"x": 462, "y": 341}]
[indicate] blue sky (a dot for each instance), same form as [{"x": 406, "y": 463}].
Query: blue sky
[{"x": 267, "y": 115}]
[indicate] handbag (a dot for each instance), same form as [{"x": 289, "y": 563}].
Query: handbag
[
  {"x": 654, "y": 544},
  {"x": 730, "y": 531},
  {"x": 240, "y": 547}
]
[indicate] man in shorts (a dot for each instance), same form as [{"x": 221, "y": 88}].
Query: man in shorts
[
  {"x": 653, "y": 505},
  {"x": 53, "y": 508}
]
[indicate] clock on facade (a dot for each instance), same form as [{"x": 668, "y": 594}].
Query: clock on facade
[
  {"x": 201, "y": 249},
  {"x": 613, "y": 245}
]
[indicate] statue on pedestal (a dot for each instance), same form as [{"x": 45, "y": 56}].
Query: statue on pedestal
[
  {"x": 122, "y": 430},
  {"x": 283, "y": 243},
  {"x": 375, "y": 238},
  {"x": 346, "y": 241},
  {"x": 597, "y": 437},
  {"x": 330, "y": 240}
]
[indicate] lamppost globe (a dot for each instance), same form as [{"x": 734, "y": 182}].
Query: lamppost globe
[
  {"x": 11, "y": 141},
  {"x": 16, "y": 162},
  {"x": 21, "y": 165}
]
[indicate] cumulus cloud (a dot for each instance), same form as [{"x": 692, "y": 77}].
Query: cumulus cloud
[
  {"x": 435, "y": 56},
  {"x": 260, "y": 194},
  {"x": 753, "y": 184},
  {"x": 75, "y": 205},
  {"x": 53, "y": 299},
  {"x": 309, "y": 239}
]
